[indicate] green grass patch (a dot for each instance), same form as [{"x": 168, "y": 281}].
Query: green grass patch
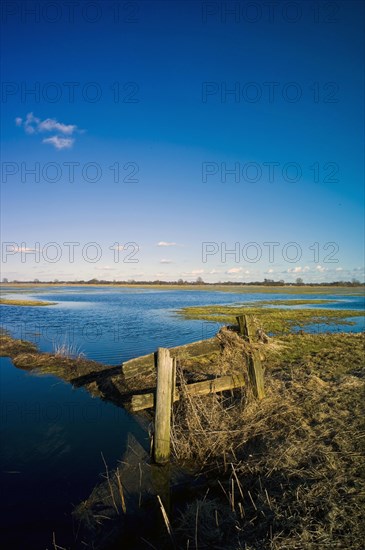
[
  {"x": 248, "y": 289},
  {"x": 274, "y": 320},
  {"x": 27, "y": 303},
  {"x": 294, "y": 302}
]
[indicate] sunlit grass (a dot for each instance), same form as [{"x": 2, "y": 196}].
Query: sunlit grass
[
  {"x": 8, "y": 302},
  {"x": 294, "y": 302},
  {"x": 275, "y": 320}
]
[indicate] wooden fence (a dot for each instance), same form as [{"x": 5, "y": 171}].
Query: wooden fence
[{"x": 167, "y": 392}]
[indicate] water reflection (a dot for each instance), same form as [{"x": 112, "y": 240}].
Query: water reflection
[{"x": 52, "y": 437}]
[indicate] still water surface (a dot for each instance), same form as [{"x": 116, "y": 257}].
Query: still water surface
[{"x": 52, "y": 437}]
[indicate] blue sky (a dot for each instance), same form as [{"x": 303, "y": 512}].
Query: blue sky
[{"x": 138, "y": 118}]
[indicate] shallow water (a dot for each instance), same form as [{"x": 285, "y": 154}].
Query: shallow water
[
  {"x": 52, "y": 437},
  {"x": 112, "y": 325}
]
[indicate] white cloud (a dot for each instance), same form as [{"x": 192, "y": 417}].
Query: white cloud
[
  {"x": 164, "y": 243},
  {"x": 51, "y": 125},
  {"x": 193, "y": 272},
  {"x": 31, "y": 123},
  {"x": 19, "y": 249},
  {"x": 60, "y": 142},
  {"x": 234, "y": 270},
  {"x": 298, "y": 269},
  {"x": 105, "y": 268},
  {"x": 164, "y": 261},
  {"x": 34, "y": 125}
]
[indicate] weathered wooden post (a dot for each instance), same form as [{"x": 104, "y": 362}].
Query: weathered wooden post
[
  {"x": 164, "y": 393},
  {"x": 255, "y": 372}
]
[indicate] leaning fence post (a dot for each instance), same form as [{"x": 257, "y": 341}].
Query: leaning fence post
[
  {"x": 164, "y": 392},
  {"x": 255, "y": 372}
]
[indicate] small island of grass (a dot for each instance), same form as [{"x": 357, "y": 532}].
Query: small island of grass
[
  {"x": 9, "y": 302},
  {"x": 280, "y": 320},
  {"x": 293, "y": 302}
]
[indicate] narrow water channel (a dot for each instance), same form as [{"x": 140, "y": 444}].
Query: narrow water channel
[{"x": 51, "y": 437}]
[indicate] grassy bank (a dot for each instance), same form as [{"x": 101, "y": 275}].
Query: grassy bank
[
  {"x": 289, "y": 471},
  {"x": 25, "y": 355}
]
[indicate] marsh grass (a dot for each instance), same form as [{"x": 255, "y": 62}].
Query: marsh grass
[
  {"x": 67, "y": 349},
  {"x": 9, "y": 347},
  {"x": 286, "y": 472},
  {"x": 275, "y": 320},
  {"x": 25, "y": 355},
  {"x": 295, "y": 302},
  {"x": 10, "y": 302}
]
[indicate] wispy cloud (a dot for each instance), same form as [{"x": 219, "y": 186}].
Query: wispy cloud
[
  {"x": 235, "y": 270},
  {"x": 193, "y": 272},
  {"x": 51, "y": 125},
  {"x": 164, "y": 243},
  {"x": 34, "y": 125},
  {"x": 22, "y": 249},
  {"x": 165, "y": 261},
  {"x": 299, "y": 269},
  {"x": 59, "y": 142}
]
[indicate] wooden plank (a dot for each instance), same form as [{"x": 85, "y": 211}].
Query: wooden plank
[
  {"x": 242, "y": 325},
  {"x": 256, "y": 375},
  {"x": 143, "y": 401},
  {"x": 165, "y": 374},
  {"x": 255, "y": 372},
  {"x": 173, "y": 385},
  {"x": 140, "y": 365},
  {"x": 216, "y": 385},
  {"x": 246, "y": 327},
  {"x": 145, "y": 364}
]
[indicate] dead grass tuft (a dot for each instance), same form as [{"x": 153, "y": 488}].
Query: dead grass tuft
[{"x": 290, "y": 469}]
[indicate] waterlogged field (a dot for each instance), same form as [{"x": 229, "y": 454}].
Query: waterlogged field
[
  {"x": 55, "y": 438},
  {"x": 114, "y": 324}
]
